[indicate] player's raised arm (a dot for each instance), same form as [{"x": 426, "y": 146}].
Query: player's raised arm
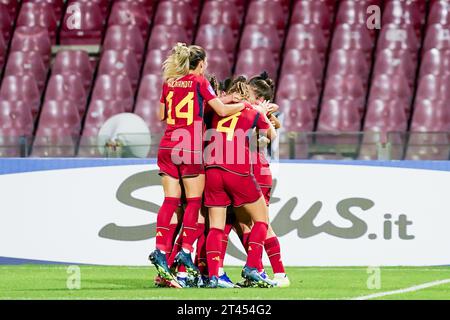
[{"x": 225, "y": 110}]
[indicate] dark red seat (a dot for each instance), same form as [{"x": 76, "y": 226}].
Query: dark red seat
[
  {"x": 297, "y": 87},
  {"x": 176, "y": 13},
  {"x": 434, "y": 87},
  {"x": 3, "y": 50},
  {"x": 102, "y": 4},
  {"x": 219, "y": 64},
  {"x": 166, "y": 37},
  {"x": 314, "y": 13},
  {"x": 270, "y": 13},
  {"x": 125, "y": 38},
  {"x": 32, "y": 39},
  {"x": 391, "y": 87},
  {"x": 353, "y": 13},
  {"x": 150, "y": 87},
  {"x": 353, "y": 37},
  {"x": 149, "y": 111},
  {"x": 21, "y": 88},
  {"x": 216, "y": 37},
  {"x": 396, "y": 62},
  {"x": 76, "y": 62},
  {"x": 240, "y": 5},
  {"x": 27, "y": 63},
  {"x": 15, "y": 118},
  {"x": 303, "y": 61},
  {"x": 298, "y": 115},
  {"x": 339, "y": 116},
  {"x": 131, "y": 13},
  {"x": 349, "y": 86},
  {"x": 438, "y": 36},
  {"x": 386, "y": 116},
  {"x": 221, "y": 13},
  {"x": 38, "y": 15},
  {"x": 6, "y": 22},
  {"x": 435, "y": 62},
  {"x": 99, "y": 112},
  {"x": 261, "y": 36},
  {"x": 253, "y": 61},
  {"x": 61, "y": 115},
  {"x": 82, "y": 24},
  {"x": 67, "y": 87},
  {"x": 56, "y": 5},
  {"x": 12, "y": 6},
  {"x": 114, "y": 89},
  {"x": 306, "y": 37},
  {"x": 348, "y": 62},
  {"x": 431, "y": 116},
  {"x": 439, "y": 13},
  {"x": 396, "y": 37},
  {"x": 404, "y": 13},
  {"x": 120, "y": 63},
  {"x": 154, "y": 61}
]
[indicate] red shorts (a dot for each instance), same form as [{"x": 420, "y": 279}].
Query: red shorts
[
  {"x": 224, "y": 188},
  {"x": 264, "y": 178},
  {"x": 266, "y": 191},
  {"x": 180, "y": 164}
]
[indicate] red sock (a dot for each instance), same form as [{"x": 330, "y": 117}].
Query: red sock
[
  {"x": 272, "y": 246},
  {"x": 256, "y": 244},
  {"x": 171, "y": 237},
  {"x": 213, "y": 250},
  {"x": 163, "y": 233},
  {"x": 244, "y": 240},
  {"x": 226, "y": 233},
  {"x": 190, "y": 233},
  {"x": 200, "y": 254},
  {"x": 176, "y": 248}
]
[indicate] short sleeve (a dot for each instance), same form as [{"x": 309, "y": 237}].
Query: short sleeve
[{"x": 206, "y": 90}]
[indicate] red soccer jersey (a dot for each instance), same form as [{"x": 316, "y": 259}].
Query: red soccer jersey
[
  {"x": 229, "y": 140},
  {"x": 185, "y": 100}
]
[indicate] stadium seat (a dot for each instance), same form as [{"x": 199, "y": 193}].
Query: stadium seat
[
  {"x": 251, "y": 62},
  {"x": 298, "y": 87},
  {"x": 348, "y": 62},
  {"x": 38, "y": 15},
  {"x": 12, "y": 6},
  {"x": 166, "y": 37},
  {"x": 27, "y": 63},
  {"x": 15, "y": 118},
  {"x": 221, "y": 13},
  {"x": 99, "y": 111},
  {"x": 82, "y": 24},
  {"x": 36, "y": 39},
  {"x": 395, "y": 37},
  {"x": 194, "y": 5},
  {"x": 352, "y": 12},
  {"x": 120, "y": 63},
  {"x": 150, "y": 87},
  {"x": 216, "y": 37},
  {"x": 391, "y": 87},
  {"x": 395, "y": 62},
  {"x": 175, "y": 13},
  {"x": 6, "y": 22},
  {"x": 349, "y": 86},
  {"x": 270, "y": 13},
  {"x": 353, "y": 37},
  {"x": 154, "y": 61},
  {"x": 125, "y": 38},
  {"x": 61, "y": 115},
  {"x": 431, "y": 116},
  {"x": 339, "y": 116},
  {"x": 219, "y": 64},
  {"x": 240, "y": 5},
  {"x": 306, "y": 37},
  {"x": 67, "y": 87},
  {"x": 439, "y": 13},
  {"x": 131, "y": 13},
  {"x": 261, "y": 36},
  {"x": 403, "y": 13},
  {"x": 303, "y": 61},
  {"x": 76, "y": 62},
  {"x": 386, "y": 116},
  {"x": 438, "y": 36},
  {"x": 434, "y": 87},
  {"x": 149, "y": 111},
  {"x": 3, "y": 50},
  {"x": 298, "y": 115},
  {"x": 435, "y": 62},
  {"x": 56, "y": 5},
  {"x": 314, "y": 13},
  {"x": 114, "y": 89},
  {"x": 21, "y": 88},
  {"x": 103, "y": 5}
]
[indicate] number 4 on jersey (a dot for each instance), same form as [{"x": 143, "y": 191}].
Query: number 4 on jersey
[{"x": 229, "y": 130}]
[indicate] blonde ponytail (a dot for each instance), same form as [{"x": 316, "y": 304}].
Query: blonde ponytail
[
  {"x": 177, "y": 64},
  {"x": 181, "y": 60}
]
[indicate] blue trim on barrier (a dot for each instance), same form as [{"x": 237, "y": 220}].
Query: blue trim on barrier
[{"x": 22, "y": 165}]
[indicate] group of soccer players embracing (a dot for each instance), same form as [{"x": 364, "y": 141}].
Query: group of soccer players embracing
[{"x": 214, "y": 179}]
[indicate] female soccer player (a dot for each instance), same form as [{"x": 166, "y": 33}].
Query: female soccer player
[
  {"x": 230, "y": 182},
  {"x": 180, "y": 157}
]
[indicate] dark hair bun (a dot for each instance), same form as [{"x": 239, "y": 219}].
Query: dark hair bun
[{"x": 264, "y": 75}]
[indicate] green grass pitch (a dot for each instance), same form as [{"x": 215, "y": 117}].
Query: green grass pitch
[{"x": 98, "y": 282}]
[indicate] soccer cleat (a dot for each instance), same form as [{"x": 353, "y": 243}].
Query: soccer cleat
[
  {"x": 202, "y": 281},
  {"x": 183, "y": 281},
  {"x": 264, "y": 274},
  {"x": 281, "y": 280},
  {"x": 183, "y": 258},
  {"x": 255, "y": 278},
  {"x": 225, "y": 282},
  {"x": 213, "y": 283},
  {"x": 158, "y": 259}
]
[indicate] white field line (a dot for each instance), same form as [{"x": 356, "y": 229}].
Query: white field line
[{"x": 405, "y": 290}]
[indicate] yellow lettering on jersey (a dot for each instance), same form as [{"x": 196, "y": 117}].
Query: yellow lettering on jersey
[
  {"x": 179, "y": 114},
  {"x": 229, "y": 130},
  {"x": 170, "y": 120}
]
